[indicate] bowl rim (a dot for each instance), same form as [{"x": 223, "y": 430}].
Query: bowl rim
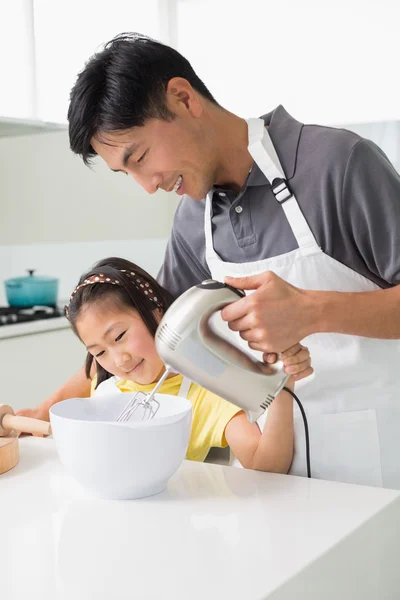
[{"x": 150, "y": 423}]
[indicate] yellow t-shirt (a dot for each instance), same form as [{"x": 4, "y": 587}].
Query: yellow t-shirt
[{"x": 210, "y": 413}]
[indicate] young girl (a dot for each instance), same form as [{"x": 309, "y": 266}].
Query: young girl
[{"x": 115, "y": 311}]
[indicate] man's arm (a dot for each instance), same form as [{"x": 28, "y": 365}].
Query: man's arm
[
  {"x": 77, "y": 386},
  {"x": 277, "y": 313},
  {"x": 368, "y": 314}
]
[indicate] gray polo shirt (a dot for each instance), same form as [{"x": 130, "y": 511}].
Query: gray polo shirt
[{"x": 346, "y": 187}]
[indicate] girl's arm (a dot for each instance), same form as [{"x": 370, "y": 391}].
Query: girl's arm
[{"x": 271, "y": 450}]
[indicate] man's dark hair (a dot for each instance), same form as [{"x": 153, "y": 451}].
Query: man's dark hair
[{"x": 123, "y": 86}]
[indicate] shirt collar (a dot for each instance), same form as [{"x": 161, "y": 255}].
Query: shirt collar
[{"x": 285, "y": 133}]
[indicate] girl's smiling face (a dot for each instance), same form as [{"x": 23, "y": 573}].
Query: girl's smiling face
[{"x": 120, "y": 341}]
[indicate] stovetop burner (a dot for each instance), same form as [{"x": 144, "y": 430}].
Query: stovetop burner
[{"x": 10, "y": 315}]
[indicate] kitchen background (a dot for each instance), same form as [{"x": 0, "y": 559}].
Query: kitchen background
[{"x": 326, "y": 62}]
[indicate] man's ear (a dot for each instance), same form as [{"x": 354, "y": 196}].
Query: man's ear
[{"x": 182, "y": 97}]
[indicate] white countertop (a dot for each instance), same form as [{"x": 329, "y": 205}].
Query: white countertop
[
  {"x": 31, "y": 327},
  {"x": 217, "y": 532}
]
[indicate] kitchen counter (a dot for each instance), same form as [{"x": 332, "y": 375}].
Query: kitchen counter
[
  {"x": 32, "y": 327},
  {"x": 216, "y": 532}
]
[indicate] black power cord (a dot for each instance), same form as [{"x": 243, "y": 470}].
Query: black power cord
[{"x": 303, "y": 414}]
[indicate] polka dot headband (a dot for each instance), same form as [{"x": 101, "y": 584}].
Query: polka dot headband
[{"x": 138, "y": 281}]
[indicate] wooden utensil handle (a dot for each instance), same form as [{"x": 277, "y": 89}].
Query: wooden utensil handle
[{"x": 26, "y": 425}]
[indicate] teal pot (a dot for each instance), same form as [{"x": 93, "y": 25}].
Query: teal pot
[{"x": 32, "y": 290}]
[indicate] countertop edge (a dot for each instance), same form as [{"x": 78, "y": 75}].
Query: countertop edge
[{"x": 33, "y": 327}]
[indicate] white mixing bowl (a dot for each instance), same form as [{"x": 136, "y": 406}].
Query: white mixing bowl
[{"x": 121, "y": 460}]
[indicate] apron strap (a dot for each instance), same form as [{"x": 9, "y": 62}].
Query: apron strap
[
  {"x": 264, "y": 154},
  {"x": 185, "y": 387},
  {"x": 210, "y": 252}
]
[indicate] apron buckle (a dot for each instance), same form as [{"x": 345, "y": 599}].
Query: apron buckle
[{"x": 281, "y": 190}]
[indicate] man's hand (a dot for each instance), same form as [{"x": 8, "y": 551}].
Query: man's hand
[{"x": 276, "y": 316}]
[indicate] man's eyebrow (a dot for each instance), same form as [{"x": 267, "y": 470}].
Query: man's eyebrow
[{"x": 128, "y": 153}]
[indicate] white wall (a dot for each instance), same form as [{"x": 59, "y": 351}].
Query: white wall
[
  {"x": 58, "y": 216},
  {"x": 48, "y": 195}
]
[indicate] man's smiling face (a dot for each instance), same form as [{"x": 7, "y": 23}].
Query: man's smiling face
[{"x": 175, "y": 155}]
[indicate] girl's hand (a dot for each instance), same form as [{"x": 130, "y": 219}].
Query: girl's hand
[
  {"x": 40, "y": 412},
  {"x": 297, "y": 362}
]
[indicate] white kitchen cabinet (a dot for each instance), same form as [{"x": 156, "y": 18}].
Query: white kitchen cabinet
[
  {"x": 326, "y": 62},
  {"x": 17, "y": 97},
  {"x": 34, "y": 366},
  {"x": 79, "y": 30}
]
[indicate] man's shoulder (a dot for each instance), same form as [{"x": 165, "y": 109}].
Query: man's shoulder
[{"x": 328, "y": 145}]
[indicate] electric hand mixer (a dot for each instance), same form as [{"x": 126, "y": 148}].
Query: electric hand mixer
[{"x": 190, "y": 342}]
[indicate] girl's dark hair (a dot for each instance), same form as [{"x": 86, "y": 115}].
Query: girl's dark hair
[
  {"x": 125, "y": 294},
  {"x": 122, "y": 87}
]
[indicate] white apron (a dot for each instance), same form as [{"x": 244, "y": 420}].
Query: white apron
[{"x": 352, "y": 401}]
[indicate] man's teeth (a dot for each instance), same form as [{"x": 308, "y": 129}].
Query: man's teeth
[{"x": 178, "y": 183}]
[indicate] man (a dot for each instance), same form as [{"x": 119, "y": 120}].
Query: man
[{"x": 306, "y": 217}]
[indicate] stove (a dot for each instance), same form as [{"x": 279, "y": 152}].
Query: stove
[{"x": 9, "y": 315}]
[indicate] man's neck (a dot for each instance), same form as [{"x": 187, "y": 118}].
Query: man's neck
[{"x": 235, "y": 160}]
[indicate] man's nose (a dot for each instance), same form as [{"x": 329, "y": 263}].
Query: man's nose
[{"x": 150, "y": 183}]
